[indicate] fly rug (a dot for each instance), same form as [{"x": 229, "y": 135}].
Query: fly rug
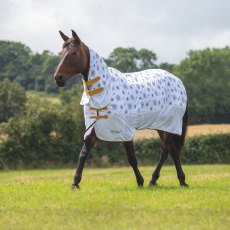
[{"x": 116, "y": 104}]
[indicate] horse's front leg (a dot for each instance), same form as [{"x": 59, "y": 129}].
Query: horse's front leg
[
  {"x": 133, "y": 162},
  {"x": 89, "y": 143}
]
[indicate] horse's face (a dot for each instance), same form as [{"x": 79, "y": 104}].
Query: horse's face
[{"x": 73, "y": 59}]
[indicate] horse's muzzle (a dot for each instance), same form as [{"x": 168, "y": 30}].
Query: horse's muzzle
[{"x": 60, "y": 81}]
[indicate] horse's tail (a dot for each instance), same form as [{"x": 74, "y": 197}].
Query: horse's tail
[{"x": 179, "y": 140}]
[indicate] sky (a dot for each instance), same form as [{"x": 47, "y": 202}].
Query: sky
[{"x": 170, "y": 28}]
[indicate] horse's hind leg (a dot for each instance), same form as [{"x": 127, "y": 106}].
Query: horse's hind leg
[
  {"x": 175, "y": 153},
  {"x": 166, "y": 138},
  {"x": 133, "y": 161}
]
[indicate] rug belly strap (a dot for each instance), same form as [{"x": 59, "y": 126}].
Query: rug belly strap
[
  {"x": 99, "y": 117},
  {"x": 98, "y": 109}
]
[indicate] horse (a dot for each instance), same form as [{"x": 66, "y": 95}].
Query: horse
[{"x": 116, "y": 104}]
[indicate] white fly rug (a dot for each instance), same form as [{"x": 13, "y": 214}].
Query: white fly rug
[{"x": 116, "y": 104}]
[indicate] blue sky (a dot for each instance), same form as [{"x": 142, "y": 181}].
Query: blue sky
[{"x": 169, "y": 28}]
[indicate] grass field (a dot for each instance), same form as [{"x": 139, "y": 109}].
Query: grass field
[{"x": 109, "y": 199}]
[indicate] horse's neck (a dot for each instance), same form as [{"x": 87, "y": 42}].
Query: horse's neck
[
  {"x": 96, "y": 90},
  {"x": 97, "y": 66}
]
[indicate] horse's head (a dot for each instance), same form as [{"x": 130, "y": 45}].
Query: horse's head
[{"x": 74, "y": 59}]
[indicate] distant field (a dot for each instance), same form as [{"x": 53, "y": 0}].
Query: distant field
[
  {"x": 110, "y": 199},
  {"x": 193, "y": 130}
]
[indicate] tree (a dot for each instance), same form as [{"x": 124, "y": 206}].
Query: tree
[
  {"x": 13, "y": 59},
  {"x": 32, "y": 71},
  {"x": 131, "y": 60},
  {"x": 13, "y": 98},
  {"x": 206, "y": 74},
  {"x": 146, "y": 60},
  {"x": 48, "y": 68},
  {"x": 166, "y": 66}
]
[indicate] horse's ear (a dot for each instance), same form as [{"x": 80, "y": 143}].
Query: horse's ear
[
  {"x": 64, "y": 37},
  {"x": 75, "y": 36}
]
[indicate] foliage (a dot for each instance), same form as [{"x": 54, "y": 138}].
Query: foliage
[
  {"x": 166, "y": 66},
  {"x": 56, "y": 138},
  {"x": 13, "y": 59},
  {"x": 32, "y": 71},
  {"x": 131, "y": 60},
  {"x": 110, "y": 199},
  {"x": 206, "y": 75},
  {"x": 207, "y": 149},
  {"x": 13, "y": 98},
  {"x": 45, "y": 133},
  {"x": 42, "y": 69}
]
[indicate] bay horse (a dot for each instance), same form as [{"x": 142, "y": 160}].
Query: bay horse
[{"x": 116, "y": 104}]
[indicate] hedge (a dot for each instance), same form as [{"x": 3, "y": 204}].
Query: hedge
[{"x": 208, "y": 149}]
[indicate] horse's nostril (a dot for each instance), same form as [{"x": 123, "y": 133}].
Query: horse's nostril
[
  {"x": 60, "y": 80},
  {"x": 59, "y": 77}
]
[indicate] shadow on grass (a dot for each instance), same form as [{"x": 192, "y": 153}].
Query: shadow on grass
[{"x": 148, "y": 188}]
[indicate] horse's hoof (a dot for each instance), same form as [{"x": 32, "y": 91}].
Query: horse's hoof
[
  {"x": 184, "y": 185},
  {"x": 140, "y": 184},
  {"x": 151, "y": 184},
  {"x": 73, "y": 186}
]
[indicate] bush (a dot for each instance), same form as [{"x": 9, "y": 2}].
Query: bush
[
  {"x": 46, "y": 133},
  {"x": 40, "y": 147},
  {"x": 208, "y": 149},
  {"x": 38, "y": 140},
  {"x": 148, "y": 150},
  {"x": 13, "y": 99}
]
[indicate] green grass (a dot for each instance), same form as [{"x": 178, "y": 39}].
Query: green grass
[{"x": 110, "y": 199}]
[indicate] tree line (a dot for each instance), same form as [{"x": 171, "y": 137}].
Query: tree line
[
  {"x": 34, "y": 71},
  {"x": 38, "y": 131},
  {"x": 205, "y": 73}
]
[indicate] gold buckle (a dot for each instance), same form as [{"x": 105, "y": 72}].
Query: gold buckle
[
  {"x": 94, "y": 91},
  {"x": 92, "y": 81}
]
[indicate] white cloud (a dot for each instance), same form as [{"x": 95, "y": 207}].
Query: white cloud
[
  {"x": 169, "y": 28},
  {"x": 218, "y": 39}
]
